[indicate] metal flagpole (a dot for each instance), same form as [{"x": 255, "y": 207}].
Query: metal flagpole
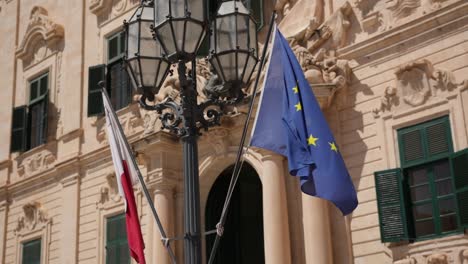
[
  {"x": 164, "y": 239},
  {"x": 238, "y": 165}
]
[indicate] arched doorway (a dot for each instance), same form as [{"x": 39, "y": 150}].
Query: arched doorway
[{"x": 242, "y": 241}]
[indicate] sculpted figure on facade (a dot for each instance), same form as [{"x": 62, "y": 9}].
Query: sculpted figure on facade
[{"x": 35, "y": 163}]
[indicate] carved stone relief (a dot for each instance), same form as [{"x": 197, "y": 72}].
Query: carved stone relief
[
  {"x": 109, "y": 192},
  {"x": 36, "y": 163},
  {"x": 41, "y": 37},
  {"x": 325, "y": 72},
  {"x": 438, "y": 258},
  {"x": 33, "y": 217},
  {"x": 416, "y": 83},
  {"x": 109, "y": 9},
  {"x": 218, "y": 139}
]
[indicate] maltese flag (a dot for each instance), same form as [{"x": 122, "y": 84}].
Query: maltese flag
[{"x": 126, "y": 176}]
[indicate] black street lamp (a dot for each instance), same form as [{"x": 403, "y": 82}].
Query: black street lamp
[{"x": 178, "y": 30}]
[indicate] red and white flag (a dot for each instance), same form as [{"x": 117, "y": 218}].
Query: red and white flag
[{"x": 126, "y": 176}]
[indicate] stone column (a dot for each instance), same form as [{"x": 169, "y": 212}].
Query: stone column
[
  {"x": 275, "y": 211},
  {"x": 164, "y": 204},
  {"x": 70, "y": 217},
  {"x": 317, "y": 236},
  {"x": 3, "y": 222}
]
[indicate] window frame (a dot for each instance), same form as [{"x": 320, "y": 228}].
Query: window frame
[
  {"x": 42, "y": 100},
  {"x": 428, "y": 162},
  {"x": 24, "y": 243}
]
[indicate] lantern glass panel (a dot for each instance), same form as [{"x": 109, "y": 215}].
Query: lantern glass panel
[
  {"x": 243, "y": 31},
  {"x": 229, "y": 66},
  {"x": 163, "y": 68},
  {"x": 225, "y": 33},
  {"x": 132, "y": 41},
  {"x": 149, "y": 69},
  {"x": 252, "y": 35},
  {"x": 165, "y": 35},
  {"x": 177, "y": 8},
  {"x": 148, "y": 46},
  {"x": 194, "y": 35},
  {"x": 147, "y": 14},
  {"x": 179, "y": 33},
  {"x": 134, "y": 70},
  {"x": 161, "y": 11},
  {"x": 241, "y": 61},
  {"x": 196, "y": 9},
  {"x": 251, "y": 62}
]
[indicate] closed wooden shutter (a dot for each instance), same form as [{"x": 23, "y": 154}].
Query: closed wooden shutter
[
  {"x": 19, "y": 129},
  {"x": 459, "y": 164},
  {"x": 392, "y": 209},
  {"x": 95, "y": 75},
  {"x": 117, "y": 250},
  {"x": 425, "y": 142}
]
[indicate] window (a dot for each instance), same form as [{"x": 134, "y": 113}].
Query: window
[
  {"x": 116, "y": 240},
  {"x": 425, "y": 197},
  {"x": 29, "y": 126},
  {"x": 117, "y": 79},
  {"x": 31, "y": 252}
]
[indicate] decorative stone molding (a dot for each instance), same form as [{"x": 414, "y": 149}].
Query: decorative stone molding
[
  {"x": 416, "y": 83},
  {"x": 438, "y": 258},
  {"x": 36, "y": 163},
  {"x": 33, "y": 224},
  {"x": 41, "y": 37},
  {"x": 402, "y": 8},
  {"x": 218, "y": 138},
  {"x": 98, "y": 6},
  {"x": 406, "y": 261},
  {"x": 34, "y": 217},
  {"x": 464, "y": 256}
]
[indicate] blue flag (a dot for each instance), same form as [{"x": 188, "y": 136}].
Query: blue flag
[{"x": 291, "y": 123}]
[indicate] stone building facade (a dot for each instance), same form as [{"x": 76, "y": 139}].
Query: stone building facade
[{"x": 380, "y": 70}]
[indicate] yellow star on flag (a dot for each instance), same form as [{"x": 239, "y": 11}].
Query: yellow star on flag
[
  {"x": 333, "y": 146},
  {"x": 312, "y": 140},
  {"x": 298, "y": 106},
  {"x": 295, "y": 89}
]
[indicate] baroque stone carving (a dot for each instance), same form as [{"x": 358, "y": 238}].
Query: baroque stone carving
[
  {"x": 115, "y": 7},
  {"x": 325, "y": 72},
  {"x": 333, "y": 33},
  {"x": 305, "y": 16},
  {"x": 218, "y": 139},
  {"x": 464, "y": 256},
  {"x": 36, "y": 163},
  {"x": 402, "y": 8},
  {"x": 110, "y": 191},
  {"x": 437, "y": 258},
  {"x": 413, "y": 80},
  {"x": 33, "y": 217},
  {"x": 40, "y": 38},
  {"x": 416, "y": 83}
]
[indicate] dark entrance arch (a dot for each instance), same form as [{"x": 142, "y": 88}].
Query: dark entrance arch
[{"x": 242, "y": 241}]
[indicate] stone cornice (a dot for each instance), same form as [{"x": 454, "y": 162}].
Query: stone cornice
[
  {"x": 40, "y": 27},
  {"x": 455, "y": 13}
]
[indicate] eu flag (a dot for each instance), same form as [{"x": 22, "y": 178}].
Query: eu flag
[{"x": 291, "y": 123}]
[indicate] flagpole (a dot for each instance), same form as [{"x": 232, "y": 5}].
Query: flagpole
[
  {"x": 164, "y": 239},
  {"x": 237, "y": 167}
]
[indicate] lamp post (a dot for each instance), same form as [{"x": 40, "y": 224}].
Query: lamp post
[{"x": 178, "y": 30}]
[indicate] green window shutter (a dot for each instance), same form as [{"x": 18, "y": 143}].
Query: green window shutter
[
  {"x": 392, "y": 210},
  {"x": 19, "y": 129},
  {"x": 411, "y": 146},
  {"x": 119, "y": 84},
  {"x": 45, "y": 109},
  {"x": 117, "y": 250},
  {"x": 32, "y": 252},
  {"x": 95, "y": 75},
  {"x": 459, "y": 161},
  {"x": 438, "y": 138}
]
